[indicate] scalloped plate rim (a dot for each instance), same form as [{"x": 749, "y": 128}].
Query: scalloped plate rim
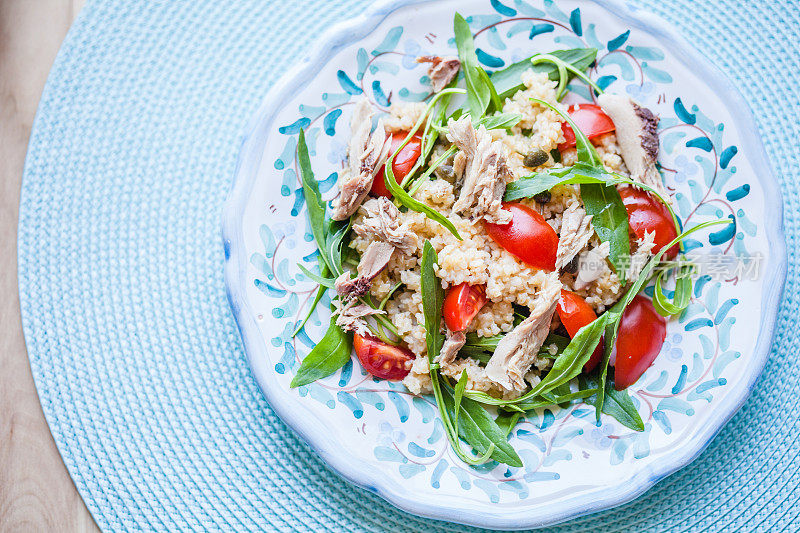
[{"x": 326, "y": 47}]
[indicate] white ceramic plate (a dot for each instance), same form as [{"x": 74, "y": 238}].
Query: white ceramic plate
[{"x": 380, "y": 437}]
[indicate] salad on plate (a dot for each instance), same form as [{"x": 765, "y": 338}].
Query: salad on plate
[{"x": 491, "y": 245}]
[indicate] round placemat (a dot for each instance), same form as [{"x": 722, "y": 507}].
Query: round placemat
[{"x": 135, "y": 353}]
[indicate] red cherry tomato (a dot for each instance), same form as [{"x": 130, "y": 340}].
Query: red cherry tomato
[
  {"x": 574, "y": 313},
  {"x": 590, "y": 120},
  {"x": 461, "y": 304},
  {"x": 382, "y": 360},
  {"x": 647, "y": 214},
  {"x": 528, "y": 236},
  {"x": 402, "y": 164},
  {"x": 641, "y": 334}
]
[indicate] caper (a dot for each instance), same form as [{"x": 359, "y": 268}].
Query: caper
[
  {"x": 571, "y": 267},
  {"x": 543, "y": 197},
  {"x": 535, "y": 158}
]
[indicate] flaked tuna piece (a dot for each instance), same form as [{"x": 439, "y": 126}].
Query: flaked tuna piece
[
  {"x": 382, "y": 225},
  {"x": 442, "y": 70},
  {"x": 518, "y": 349},
  {"x": 576, "y": 230},
  {"x": 484, "y": 175},
  {"x": 644, "y": 251},
  {"x": 351, "y": 315},
  {"x": 454, "y": 341},
  {"x": 351, "y": 288},
  {"x": 366, "y": 152},
  {"x": 637, "y": 136},
  {"x": 382, "y": 222},
  {"x": 459, "y": 165},
  {"x": 592, "y": 265},
  {"x": 374, "y": 260}
]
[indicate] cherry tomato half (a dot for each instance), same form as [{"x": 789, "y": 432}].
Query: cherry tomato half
[
  {"x": 647, "y": 214},
  {"x": 461, "y": 304},
  {"x": 639, "y": 339},
  {"x": 382, "y": 360},
  {"x": 401, "y": 165},
  {"x": 590, "y": 119},
  {"x": 528, "y": 236},
  {"x": 574, "y": 313}
]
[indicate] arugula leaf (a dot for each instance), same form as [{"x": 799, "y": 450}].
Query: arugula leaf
[
  {"x": 480, "y": 430},
  {"x": 610, "y": 334},
  {"x": 482, "y": 348},
  {"x": 476, "y": 353},
  {"x": 539, "y": 182},
  {"x": 328, "y": 356},
  {"x": 321, "y": 280},
  {"x": 478, "y": 90},
  {"x": 496, "y": 122},
  {"x": 458, "y": 395},
  {"x": 431, "y": 168},
  {"x": 488, "y": 344},
  {"x": 324, "y": 272},
  {"x": 610, "y": 221},
  {"x": 553, "y": 395},
  {"x": 560, "y": 341},
  {"x": 564, "y": 72},
  {"x": 314, "y": 204},
  {"x": 432, "y": 300},
  {"x": 682, "y": 294},
  {"x": 404, "y": 198},
  {"x": 579, "y": 174},
  {"x": 571, "y": 361},
  {"x": 614, "y": 315},
  {"x": 620, "y": 406},
  {"x": 509, "y": 80},
  {"x": 558, "y": 391},
  {"x": 399, "y": 192},
  {"x": 436, "y": 121},
  {"x": 460, "y": 415},
  {"x": 335, "y": 234},
  {"x": 328, "y": 233},
  {"x": 618, "y": 308},
  {"x": 507, "y": 421},
  {"x": 495, "y": 104},
  {"x": 546, "y": 400},
  {"x": 609, "y": 216},
  {"x": 556, "y": 400},
  {"x": 478, "y": 93},
  {"x": 567, "y": 366}
]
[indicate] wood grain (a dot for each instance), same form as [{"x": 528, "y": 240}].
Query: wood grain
[{"x": 36, "y": 492}]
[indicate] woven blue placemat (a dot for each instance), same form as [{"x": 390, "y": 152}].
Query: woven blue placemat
[{"x": 135, "y": 353}]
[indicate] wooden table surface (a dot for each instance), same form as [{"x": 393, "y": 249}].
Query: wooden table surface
[{"x": 36, "y": 492}]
